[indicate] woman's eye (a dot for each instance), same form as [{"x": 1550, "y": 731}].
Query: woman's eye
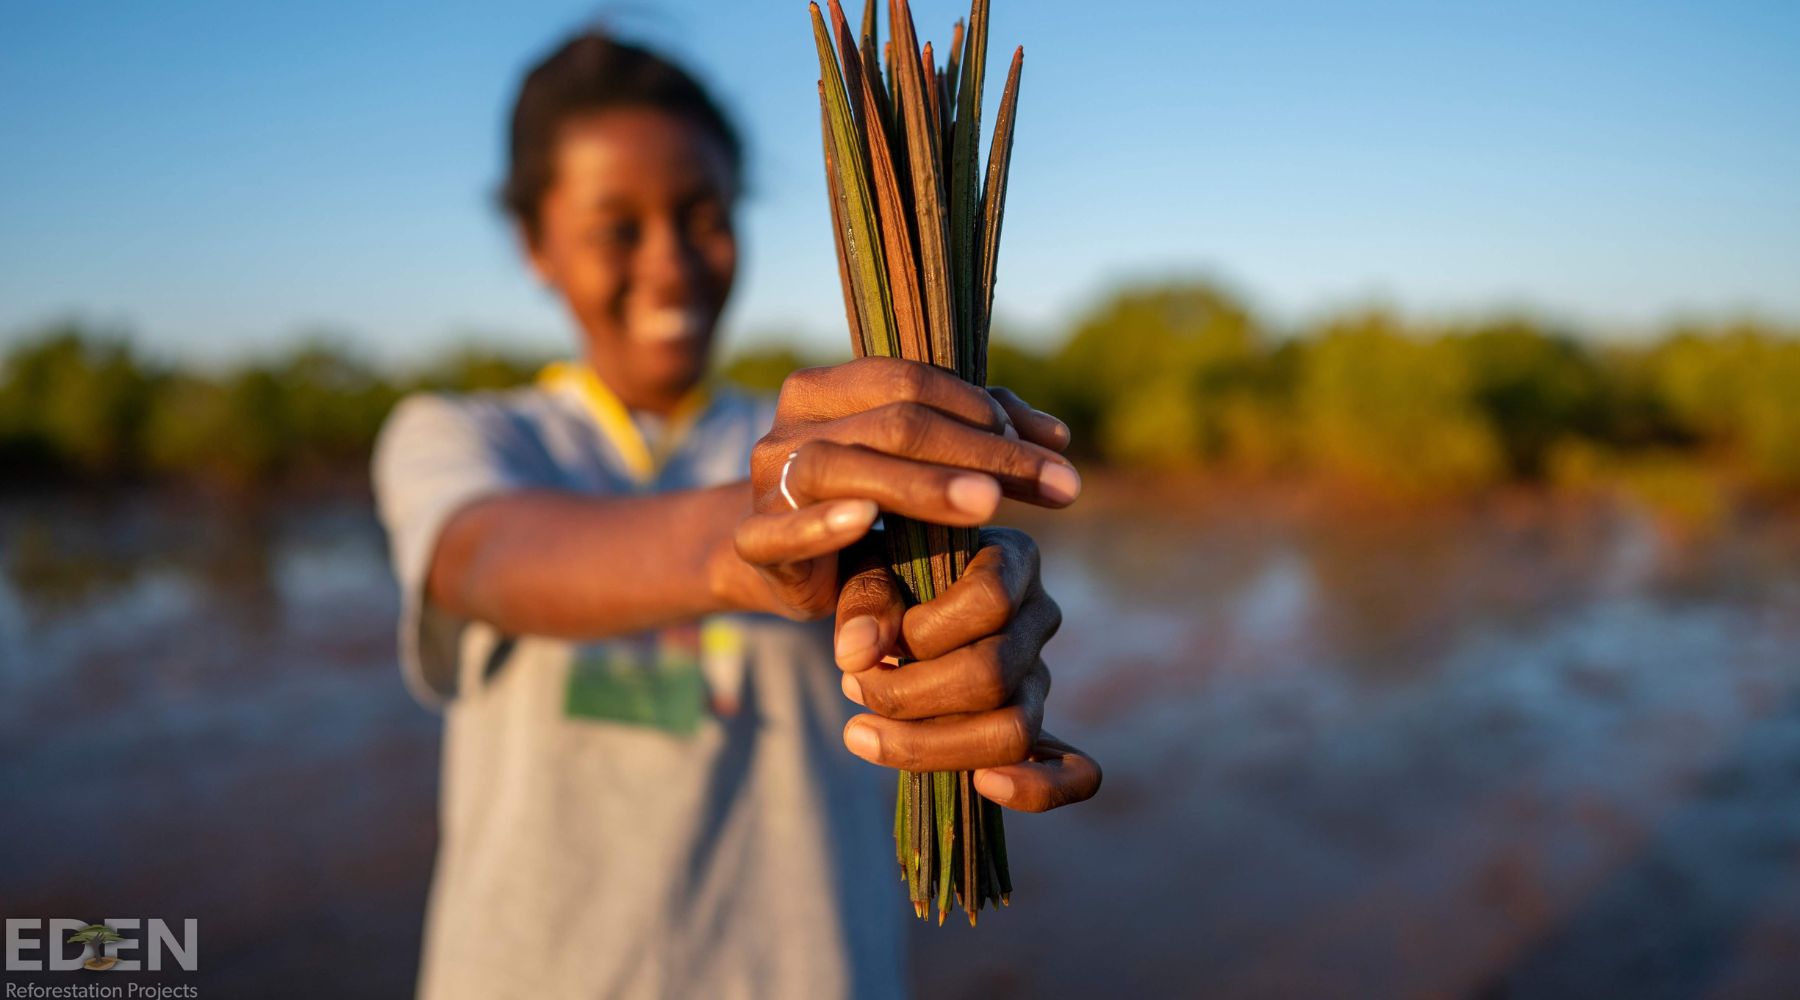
[
  {"x": 708, "y": 220},
  {"x": 614, "y": 234}
]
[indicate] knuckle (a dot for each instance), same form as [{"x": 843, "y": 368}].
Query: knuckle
[
  {"x": 910, "y": 382},
  {"x": 1071, "y": 791},
  {"x": 1021, "y": 550},
  {"x": 905, "y": 427},
  {"x": 1010, "y": 541},
  {"x": 899, "y": 750},
  {"x": 998, "y": 418},
  {"x": 881, "y": 698},
  {"x": 768, "y": 453},
  {"x": 798, "y": 384},
  {"x": 987, "y": 678},
  {"x": 1033, "y": 797},
  {"x": 1013, "y": 734},
  {"x": 1053, "y": 617},
  {"x": 992, "y": 597},
  {"x": 799, "y": 469},
  {"x": 811, "y": 459},
  {"x": 989, "y": 607}
]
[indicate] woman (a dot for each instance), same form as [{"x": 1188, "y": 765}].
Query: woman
[{"x": 606, "y": 577}]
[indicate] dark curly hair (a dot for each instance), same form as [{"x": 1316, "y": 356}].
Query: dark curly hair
[{"x": 591, "y": 72}]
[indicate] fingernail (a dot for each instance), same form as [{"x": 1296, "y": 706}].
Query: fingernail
[
  {"x": 863, "y": 741},
  {"x": 1059, "y": 483},
  {"x": 1010, "y": 432},
  {"x": 994, "y": 785},
  {"x": 1062, "y": 429},
  {"x": 852, "y": 688},
  {"x": 848, "y": 515},
  {"x": 854, "y": 641},
  {"x": 976, "y": 495}
]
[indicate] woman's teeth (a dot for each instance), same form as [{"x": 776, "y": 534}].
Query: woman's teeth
[{"x": 669, "y": 324}]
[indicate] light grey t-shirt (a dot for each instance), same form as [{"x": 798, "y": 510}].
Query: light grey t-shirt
[{"x": 662, "y": 815}]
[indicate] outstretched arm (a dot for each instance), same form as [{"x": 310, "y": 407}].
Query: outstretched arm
[
  {"x": 563, "y": 564},
  {"x": 877, "y": 433}
]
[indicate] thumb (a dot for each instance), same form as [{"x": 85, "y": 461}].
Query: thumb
[
  {"x": 785, "y": 546},
  {"x": 870, "y": 608}
]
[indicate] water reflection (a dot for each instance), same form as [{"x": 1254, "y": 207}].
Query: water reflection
[
  {"x": 1456, "y": 753},
  {"x": 199, "y": 718},
  {"x": 1533, "y": 748}
]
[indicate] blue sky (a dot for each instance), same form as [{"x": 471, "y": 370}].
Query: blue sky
[{"x": 219, "y": 178}]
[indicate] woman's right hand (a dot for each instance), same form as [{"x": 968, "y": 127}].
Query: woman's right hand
[{"x": 885, "y": 434}]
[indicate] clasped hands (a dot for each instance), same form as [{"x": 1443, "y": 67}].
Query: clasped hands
[{"x": 885, "y": 434}]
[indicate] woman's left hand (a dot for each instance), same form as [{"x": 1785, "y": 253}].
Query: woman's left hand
[{"x": 972, "y": 695}]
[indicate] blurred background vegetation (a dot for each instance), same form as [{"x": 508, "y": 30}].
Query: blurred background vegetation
[{"x": 1167, "y": 377}]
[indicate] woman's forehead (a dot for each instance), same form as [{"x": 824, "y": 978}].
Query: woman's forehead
[{"x": 639, "y": 154}]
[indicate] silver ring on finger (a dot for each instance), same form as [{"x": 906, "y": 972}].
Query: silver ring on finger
[{"x": 785, "y": 493}]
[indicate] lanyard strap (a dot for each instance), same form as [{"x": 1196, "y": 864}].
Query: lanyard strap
[{"x": 642, "y": 463}]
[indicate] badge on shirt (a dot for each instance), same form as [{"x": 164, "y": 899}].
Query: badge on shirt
[{"x": 665, "y": 680}]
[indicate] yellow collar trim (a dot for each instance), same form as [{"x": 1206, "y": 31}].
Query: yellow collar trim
[{"x": 642, "y": 463}]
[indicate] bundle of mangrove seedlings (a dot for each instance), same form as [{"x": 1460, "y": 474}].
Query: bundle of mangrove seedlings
[{"x": 916, "y": 218}]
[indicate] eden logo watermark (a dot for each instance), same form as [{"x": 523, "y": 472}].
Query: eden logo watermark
[{"x": 34, "y": 945}]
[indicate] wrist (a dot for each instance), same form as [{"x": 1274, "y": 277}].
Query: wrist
[
  {"x": 732, "y": 583},
  {"x": 729, "y": 579}
]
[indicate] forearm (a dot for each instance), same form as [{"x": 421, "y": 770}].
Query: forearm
[{"x": 562, "y": 564}]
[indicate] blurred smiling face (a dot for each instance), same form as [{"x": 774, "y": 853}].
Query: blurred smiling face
[{"x": 635, "y": 234}]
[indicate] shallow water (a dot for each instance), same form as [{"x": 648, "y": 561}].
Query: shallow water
[{"x": 1531, "y": 749}]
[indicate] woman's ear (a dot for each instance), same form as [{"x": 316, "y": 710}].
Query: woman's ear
[{"x": 531, "y": 247}]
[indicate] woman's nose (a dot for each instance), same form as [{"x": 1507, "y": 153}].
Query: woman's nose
[{"x": 668, "y": 264}]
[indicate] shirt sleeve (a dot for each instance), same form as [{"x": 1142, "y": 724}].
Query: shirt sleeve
[{"x": 434, "y": 456}]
